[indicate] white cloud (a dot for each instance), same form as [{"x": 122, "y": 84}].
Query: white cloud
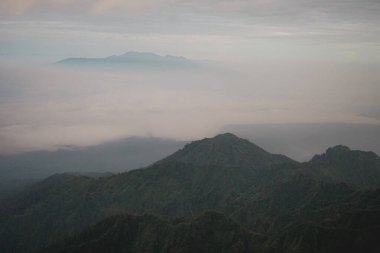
[
  {"x": 45, "y": 108},
  {"x": 304, "y": 63}
]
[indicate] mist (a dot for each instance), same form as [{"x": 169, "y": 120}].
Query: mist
[
  {"x": 262, "y": 62},
  {"x": 246, "y": 120},
  {"x": 302, "y": 141},
  {"x": 46, "y": 107}
]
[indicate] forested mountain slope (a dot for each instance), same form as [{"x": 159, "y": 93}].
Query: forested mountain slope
[{"x": 262, "y": 192}]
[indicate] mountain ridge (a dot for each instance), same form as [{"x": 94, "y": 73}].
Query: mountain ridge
[
  {"x": 340, "y": 163},
  {"x": 18, "y": 170},
  {"x": 226, "y": 150},
  {"x": 131, "y": 59},
  {"x": 262, "y": 192}
]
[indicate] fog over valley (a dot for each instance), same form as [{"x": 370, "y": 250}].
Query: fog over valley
[
  {"x": 180, "y": 69},
  {"x": 45, "y": 107}
]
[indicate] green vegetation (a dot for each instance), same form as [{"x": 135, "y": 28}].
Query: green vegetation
[
  {"x": 210, "y": 232},
  {"x": 294, "y": 207}
]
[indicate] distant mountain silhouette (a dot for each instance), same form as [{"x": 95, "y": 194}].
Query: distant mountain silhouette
[
  {"x": 132, "y": 60},
  {"x": 19, "y": 170},
  {"x": 264, "y": 193}
]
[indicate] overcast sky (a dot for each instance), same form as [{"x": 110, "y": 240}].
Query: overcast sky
[
  {"x": 280, "y": 61},
  {"x": 322, "y": 30}
]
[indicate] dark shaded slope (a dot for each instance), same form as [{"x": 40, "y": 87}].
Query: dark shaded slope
[
  {"x": 173, "y": 187},
  {"x": 265, "y": 193},
  {"x": 349, "y": 226},
  {"x": 210, "y": 232},
  {"x": 340, "y": 164},
  {"x": 274, "y": 208},
  {"x": 47, "y": 211},
  {"x": 226, "y": 150}
]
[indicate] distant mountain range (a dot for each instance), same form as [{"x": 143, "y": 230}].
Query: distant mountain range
[
  {"x": 20, "y": 170},
  {"x": 139, "y": 60},
  {"x": 260, "y": 202}
]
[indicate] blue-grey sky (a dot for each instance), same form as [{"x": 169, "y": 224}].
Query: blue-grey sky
[
  {"x": 273, "y": 61},
  {"x": 322, "y": 30}
]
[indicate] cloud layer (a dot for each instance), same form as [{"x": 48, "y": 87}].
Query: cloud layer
[
  {"x": 213, "y": 29},
  {"x": 286, "y": 9},
  {"x": 284, "y": 61},
  {"x": 47, "y": 107}
]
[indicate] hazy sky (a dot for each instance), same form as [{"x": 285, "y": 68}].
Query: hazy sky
[
  {"x": 279, "y": 61},
  {"x": 322, "y": 30}
]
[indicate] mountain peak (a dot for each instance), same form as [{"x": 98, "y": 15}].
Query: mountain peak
[
  {"x": 332, "y": 153},
  {"x": 226, "y": 135},
  {"x": 225, "y": 150},
  {"x": 339, "y": 149},
  {"x": 226, "y": 139},
  {"x": 354, "y": 167},
  {"x": 138, "y": 54},
  {"x": 343, "y": 153}
]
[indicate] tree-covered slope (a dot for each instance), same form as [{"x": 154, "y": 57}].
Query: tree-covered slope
[
  {"x": 349, "y": 226},
  {"x": 209, "y": 232},
  {"x": 263, "y": 192},
  {"x": 173, "y": 187},
  {"x": 341, "y": 164},
  {"x": 352, "y": 225},
  {"x": 226, "y": 150}
]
